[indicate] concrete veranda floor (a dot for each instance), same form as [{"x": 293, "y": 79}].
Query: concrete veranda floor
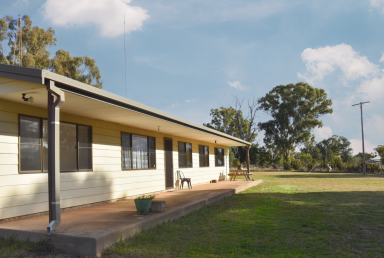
[{"x": 88, "y": 231}]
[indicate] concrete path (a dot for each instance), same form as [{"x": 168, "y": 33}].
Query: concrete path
[{"x": 88, "y": 231}]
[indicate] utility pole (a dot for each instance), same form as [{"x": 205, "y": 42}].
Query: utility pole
[{"x": 362, "y": 131}]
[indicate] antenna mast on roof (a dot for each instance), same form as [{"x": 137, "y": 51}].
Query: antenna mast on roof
[
  {"x": 20, "y": 41},
  {"x": 14, "y": 47},
  {"x": 125, "y": 64}
]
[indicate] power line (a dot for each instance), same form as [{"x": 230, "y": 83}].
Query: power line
[{"x": 362, "y": 131}]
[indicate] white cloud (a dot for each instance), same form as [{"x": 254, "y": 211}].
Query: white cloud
[
  {"x": 108, "y": 15},
  {"x": 377, "y": 3},
  {"x": 322, "y": 133},
  {"x": 371, "y": 89},
  {"x": 190, "y": 100},
  {"x": 324, "y": 60},
  {"x": 373, "y": 128},
  {"x": 217, "y": 11},
  {"x": 356, "y": 145},
  {"x": 236, "y": 85},
  {"x": 381, "y": 59},
  {"x": 21, "y": 3}
]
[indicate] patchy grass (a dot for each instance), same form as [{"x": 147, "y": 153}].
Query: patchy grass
[
  {"x": 12, "y": 247},
  {"x": 289, "y": 215}
]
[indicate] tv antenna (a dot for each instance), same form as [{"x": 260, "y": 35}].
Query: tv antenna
[
  {"x": 20, "y": 40},
  {"x": 125, "y": 64}
]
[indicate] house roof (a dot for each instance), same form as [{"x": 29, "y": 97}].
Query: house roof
[{"x": 85, "y": 100}]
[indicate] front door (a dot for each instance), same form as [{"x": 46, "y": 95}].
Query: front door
[{"x": 168, "y": 150}]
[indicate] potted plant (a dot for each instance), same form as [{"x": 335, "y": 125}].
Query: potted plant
[{"x": 143, "y": 204}]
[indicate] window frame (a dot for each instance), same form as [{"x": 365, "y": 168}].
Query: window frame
[
  {"x": 206, "y": 165},
  {"x": 130, "y": 138},
  {"x": 216, "y": 157},
  {"x": 41, "y": 119},
  {"x": 41, "y": 144},
  {"x": 185, "y": 147}
]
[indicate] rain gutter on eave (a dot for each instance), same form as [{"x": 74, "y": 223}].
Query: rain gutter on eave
[{"x": 40, "y": 76}]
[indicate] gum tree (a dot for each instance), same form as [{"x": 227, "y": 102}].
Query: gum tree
[
  {"x": 34, "y": 43},
  {"x": 295, "y": 110}
]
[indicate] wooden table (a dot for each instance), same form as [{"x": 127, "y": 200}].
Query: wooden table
[{"x": 240, "y": 172}]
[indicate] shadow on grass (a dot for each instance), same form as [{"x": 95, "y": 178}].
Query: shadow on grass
[
  {"x": 271, "y": 222},
  {"x": 319, "y": 175}
]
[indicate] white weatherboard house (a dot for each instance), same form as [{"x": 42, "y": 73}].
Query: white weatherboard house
[{"x": 65, "y": 144}]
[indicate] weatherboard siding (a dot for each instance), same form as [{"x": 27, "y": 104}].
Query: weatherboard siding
[{"x": 23, "y": 194}]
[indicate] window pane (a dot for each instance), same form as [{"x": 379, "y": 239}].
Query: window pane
[
  {"x": 85, "y": 147},
  {"x": 68, "y": 147},
  {"x": 181, "y": 147},
  {"x": 45, "y": 145},
  {"x": 152, "y": 152},
  {"x": 126, "y": 146},
  {"x": 85, "y": 158},
  {"x": 219, "y": 157},
  {"x": 139, "y": 152},
  {"x": 29, "y": 130},
  {"x": 182, "y": 161},
  {"x": 201, "y": 156},
  {"x": 189, "y": 155},
  {"x": 206, "y": 154},
  {"x": 30, "y": 157},
  {"x": 84, "y": 136}
]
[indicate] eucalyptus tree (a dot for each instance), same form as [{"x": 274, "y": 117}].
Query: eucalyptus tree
[
  {"x": 380, "y": 151},
  {"x": 295, "y": 110},
  {"x": 335, "y": 146},
  {"x": 28, "y": 46},
  {"x": 231, "y": 120}
]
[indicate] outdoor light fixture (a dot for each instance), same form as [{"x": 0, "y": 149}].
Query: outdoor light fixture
[
  {"x": 30, "y": 99},
  {"x": 158, "y": 129},
  {"x": 215, "y": 141}
]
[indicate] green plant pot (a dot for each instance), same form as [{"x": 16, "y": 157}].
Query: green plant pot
[{"x": 143, "y": 206}]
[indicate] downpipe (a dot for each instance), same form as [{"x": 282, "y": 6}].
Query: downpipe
[{"x": 56, "y": 97}]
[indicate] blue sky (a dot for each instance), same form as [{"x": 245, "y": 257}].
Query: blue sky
[{"x": 186, "y": 57}]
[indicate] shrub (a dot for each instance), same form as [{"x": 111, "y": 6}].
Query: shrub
[
  {"x": 287, "y": 164},
  {"x": 296, "y": 164}
]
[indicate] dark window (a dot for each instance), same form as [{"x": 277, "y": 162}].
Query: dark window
[
  {"x": 219, "y": 157},
  {"x": 30, "y": 144},
  {"x": 68, "y": 147},
  {"x": 204, "y": 156},
  {"x": 185, "y": 155},
  {"x": 138, "y": 152},
  {"x": 85, "y": 147},
  {"x": 152, "y": 152},
  {"x": 75, "y": 146},
  {"x": 126, "y": 149}
]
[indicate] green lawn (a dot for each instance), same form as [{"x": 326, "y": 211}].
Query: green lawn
[{"x": 289, "y": 215}]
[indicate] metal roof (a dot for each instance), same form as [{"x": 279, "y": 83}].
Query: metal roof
[{"x": 40, "y": 75}]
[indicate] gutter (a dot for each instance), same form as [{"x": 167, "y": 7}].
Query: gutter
[
  {"x": 73, "y": 86},
  {"x": 56, "y": 98}
]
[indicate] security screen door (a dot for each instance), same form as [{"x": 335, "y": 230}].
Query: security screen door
[{"x": 168, "y": 163}]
